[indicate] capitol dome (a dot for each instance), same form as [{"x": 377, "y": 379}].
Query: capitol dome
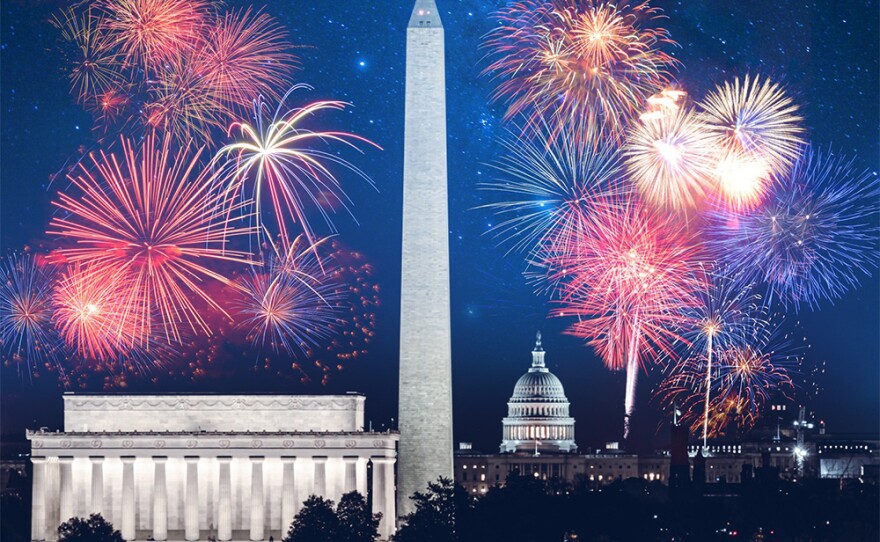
[{"x": 537, "y": 413}]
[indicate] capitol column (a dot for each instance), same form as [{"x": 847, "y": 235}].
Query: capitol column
[
  {"x": 383, "y": 494},
  {"x": 350, "y": 480},
  {"x": 224, "y": 501},
  {"x": 288, "y": 492},
  {"x": 65, "y": 505},
  {"x": 320, "y": 486},
  {"x": 38, "y": 506},
  {"x": 258, "y": 514},
  {"x": 97, "y": 484},
  {"x": 160, "y": 500},
  {"x": 191, "y": 511},
  {"x": 128, "y": 523}
]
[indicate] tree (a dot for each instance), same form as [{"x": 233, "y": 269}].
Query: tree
[
  {"x": 315, "y": 522},
  {"x": 94, "y": 529},
  {"x": 356, "y": 523},
  {"x": 436, "y": 514}
]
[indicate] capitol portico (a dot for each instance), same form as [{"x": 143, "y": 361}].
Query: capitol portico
[{"x": 187, "y": 467}]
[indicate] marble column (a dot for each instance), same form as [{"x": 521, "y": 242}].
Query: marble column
[
  {"x": 97, "y": 506},
  {"x": 38, "y": 506},
  {"x": 350, "y": 480},
  {"x": 383, "y": 495},
  {"x": 191, "y": 501},
  {"x": 65, "y": 502},
  {"x": 127, "y": 527},
  {"x": 257, "y": 506},
  {"x": 288, "y": 493},
  {"x": 224, "y": 501},
  {"x": 320, "y": 480},
  {"x": 160, "y": 500}
]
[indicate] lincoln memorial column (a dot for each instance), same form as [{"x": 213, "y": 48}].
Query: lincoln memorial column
[
  {"x": 257, "y": 510},
  {"x": 320, "y": 487},
  {"x": 350, "y": 480},
  {"x": 38, "y": 508},
  {"x": 288, "y": 493},
  {"x": 224, "y": 509},
  {"x": 128, "y": 523},
  {"x": 191, "y": 511},
  {"x": 65, "y": 507},
  {"x": 160, "y": 500},
  {"x": 97, "y": 485},
  {"x": 383, "y": 494}
]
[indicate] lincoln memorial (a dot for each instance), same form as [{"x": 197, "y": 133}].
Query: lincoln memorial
[{"x": 186, "y": 467}]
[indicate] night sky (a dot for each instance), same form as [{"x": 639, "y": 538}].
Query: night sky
[{"x": 825, "y": 52}]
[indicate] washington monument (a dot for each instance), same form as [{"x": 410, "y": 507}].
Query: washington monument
[{"x": 425, "y": 344}]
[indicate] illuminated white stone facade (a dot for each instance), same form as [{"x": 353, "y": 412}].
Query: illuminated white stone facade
[
  {"x": 425, "y": 329},
  {"x": 537, "y": 413},
  {"x": 186, "y": 467}
]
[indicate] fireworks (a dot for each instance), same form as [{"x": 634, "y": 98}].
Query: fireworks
[
  {"x": 669, "y": 157},
  {"x": 551, "y": 180},
  {"x": 728, "y": 316},
  {"x": 288, "y": 169},
  {"x": 756, "y": 130},
  {"x": 172, "y": 65},
  {"x": 747, "y": 373},
  {"x": 150, "y": 32},
  {"x": 289, "y": 305},
  {"x": 244, "y": 57},
  {"x": 95, "y": 64},
  {"x": 747, "y": 378},
  {"x": 813, "y": 237},
  {"x": 586, "y": 65},
  {"x": 90, "y": 311},
  {"x": 626, "y": 282},
  {"x": 153, "y": 223},
  {"x": 182, "y": 104},
  {"x": 25, "y": 311}
]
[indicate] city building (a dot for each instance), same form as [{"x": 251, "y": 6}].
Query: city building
[
  {"x": 186, "y": 467},
  {"x": 537, "y": 413},
  {"x": 425, "y": 407}
]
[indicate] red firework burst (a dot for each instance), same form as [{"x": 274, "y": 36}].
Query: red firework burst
[
  {"x": 245, "y": 56},
  {"x": 92, "y": 313},
  {"x": 150, "y": 32},
  {"x": 625, "y": 280},
  {"x": 152, "y": 222}
]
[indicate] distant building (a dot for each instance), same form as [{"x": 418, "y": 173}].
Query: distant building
[
  {"x": 538, "y": 440},
  {"x": 186, "y": 467},
  {"x": 537, "y": 413}
]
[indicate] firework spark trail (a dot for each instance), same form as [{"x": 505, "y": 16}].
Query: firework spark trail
[
  {"x": 153, "y": 222},
  {"x": 586, "y": 65},
  {"x": 281, "y": 158},
  {"x": 550, "y": 181},
  {"x": 756, "y": 128},
  {"x": 290, "y": 304},
  {"x": 626, "y": 281},
  {"x": 26, "y": 330},
  {"x": 812, "y": 239}
]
